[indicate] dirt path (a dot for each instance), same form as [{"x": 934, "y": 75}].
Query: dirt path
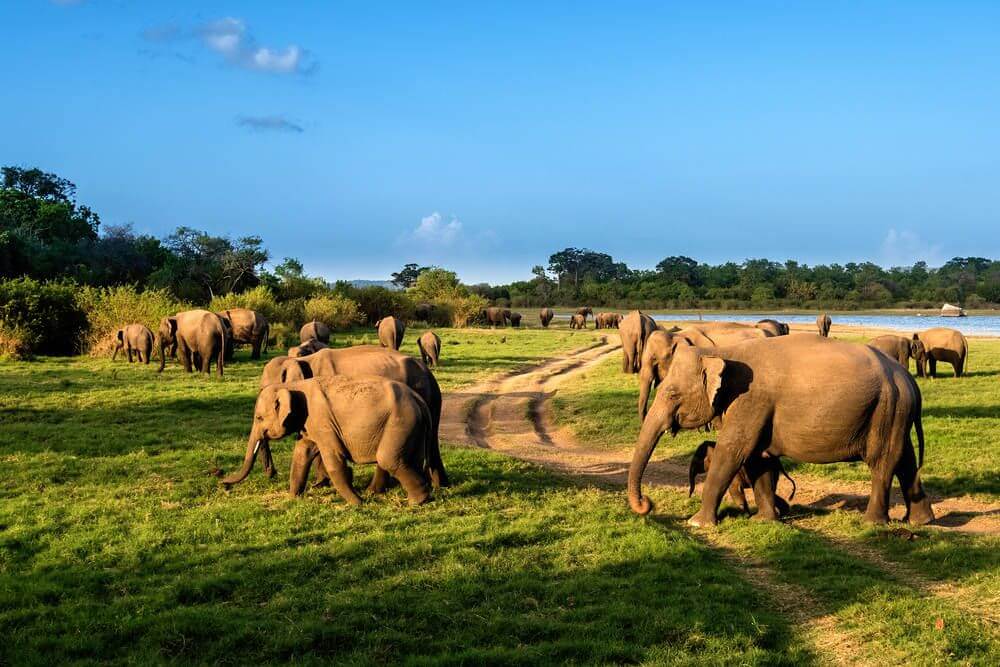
[{"x": 511, "y": 414}]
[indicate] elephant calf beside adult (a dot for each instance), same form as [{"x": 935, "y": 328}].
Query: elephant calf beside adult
[
  {"x": 776, "y": 399},
  {"x": 200, "y": 337},
  {"x": 701, "y": 463},
  {"x": 902, "y": 349},
  {"x": 134, "y": 338},
  {"x": 390, "y": 332},
  {"x": 946, "y": 345}
]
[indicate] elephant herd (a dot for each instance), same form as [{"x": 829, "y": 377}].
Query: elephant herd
[{"x": 768, "y": 394}]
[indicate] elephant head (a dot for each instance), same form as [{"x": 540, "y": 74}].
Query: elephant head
[
  {"x": 294, "y": 369},
  {"x": 274, "y": 417},
  {"x": 167, "y": 336},
  {"x": 919, "y": 354},
  {"x": 700, "y": 463},
  {"x": 687, "y": 399}
]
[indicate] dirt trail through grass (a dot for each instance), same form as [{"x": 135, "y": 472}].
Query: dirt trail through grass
[{"x": 511, "y": 414}]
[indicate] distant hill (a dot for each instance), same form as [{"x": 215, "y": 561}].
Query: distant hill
[{"x": 374, "y": 283}]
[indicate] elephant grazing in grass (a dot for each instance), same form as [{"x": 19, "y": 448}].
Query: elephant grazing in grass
[
  {"x": 134, "y": 338},
  {"x": 248, "y": 328},
  {"x": 494, "y": 316},
  {"x": 823, "y": 324},
  {"x": 634, "y": 329},
  {"x": 947, "y": 345},
  {"x": 515, "y": 320},
  {"x": 429, "y": 345},
  {"x": 775, "y": 399},
  {"x": 390, "y": 332},
  {"x": 346, "y": 420},
  {"x": 902, "y": 349},
  {"x": 200, "y": 337},
  {"x": 309, "y": 347},
  {"x": 545, "y": 316},
  {"x": 361, "y": 360},
  {"x": 585, "y": 311}
]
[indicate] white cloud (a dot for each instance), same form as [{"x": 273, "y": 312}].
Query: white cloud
[
  {"x": 282, "y": 62},
  {"x": 903, "y": 248},
  {"x": 434, "y": 230},
  {"x": 224, "y": 36},
  {"x": 272, "y": 123}
]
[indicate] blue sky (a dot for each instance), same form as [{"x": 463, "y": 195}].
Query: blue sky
[{"x": 485, "y": 136}]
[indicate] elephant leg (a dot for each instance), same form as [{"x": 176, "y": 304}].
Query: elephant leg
[
  {"x": 268, "y": 460},
  {"x": 918, "y": 505},
  {"x": 340, "y": 474},
  {"x": 739, "y": 437},
  {"x": 321, "y": 479},
  {"x": 737, "y": 496},
  {"x": 764, "y": 480},
  {"x": 128, "y": 352},
  {"x": 381, "y": 481},
  {"x": 302, "y": 458},
  {"x": 206, "y": 361},
  {"x": 932, "y": 362},
  {"x": 401, "y": 464},
  {"x": 185, "y": 356}
]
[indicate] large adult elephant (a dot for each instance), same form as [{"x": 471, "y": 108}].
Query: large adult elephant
[
  {"x": 658, "y": 352},
  {"x": 634, "y": 329},
  {"x": 585, "y": 311},
  {"x": 314, "y": 330},
  {"x": 357, "y": 361},
  {"x": 902, "y": 349},
  {"x": 248, "y": 328},
  {"x": 545, "y": 316},
  {"x": 945, "y": 345},
  {"x": 346, "y": 419},
  {"x": 390, "y": 332},
  {"x": 134, "y": 338},
  {"x": 200, "y": 337},
  {"x": 776, "y": 400},
  {"x": 515, "y": 320},
  {"x": 494, "y": 316},
  {"x": 823, "y": 324},
  {"x": 773, "y": 327}
]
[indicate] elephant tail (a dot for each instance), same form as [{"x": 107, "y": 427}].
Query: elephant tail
[
  {"x": 965, "y": 366},
  {"x": 789, "y": 478},
  {"x": 220, "y": 362},
  {"x": 267, "y": 338},
  {"x": 920, "y": 438}
]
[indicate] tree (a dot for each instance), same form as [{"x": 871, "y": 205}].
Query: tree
[
  {"x": 202, "y": 266},
  {"x": 408, "y": 275},
  {"x": 681, "y": 269}
]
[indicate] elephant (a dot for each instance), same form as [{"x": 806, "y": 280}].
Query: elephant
[
  {"x": 199, "y": 335},
  {"x": 607, "y": 320},
  {"x": 390, "y": 332},
  {"x": 429, "y": 345},
  {"x": 134, "y": 338},
  {"x": 249, "y": 328},
  {"x": 515, "y": 320},
  {"x": 775, "y": 399},
  {"x": 823, "y": 324},
  {"x": 946, "y": 345},
  {"x": 659, "y": 348},
  {"x": 309, "y": 347},
  {"x": 346, "y": 419},
  {"x": 578, "y": 321},
  {"x": 361, "y": 360},
  {"x": 545, "y": 316},
  {"x": 314, "y": 329},
  {"x": 701, "y": 463},
  {"x": 494, "y": 316},
  {"x": 773, "y": 327},
  {"x": 586, "y": 310},
  {"x": 902, "y": 349},
  {"x": 634, "y": 329},
  {"x": 423, "y": 312}
]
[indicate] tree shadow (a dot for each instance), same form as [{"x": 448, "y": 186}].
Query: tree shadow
[{"x": 967, "y": 411}]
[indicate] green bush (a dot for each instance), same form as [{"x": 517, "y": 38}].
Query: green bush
[
  {"x": 44, "y": 318},
  {"x": 337, "y": 311},
  {"x": 378, "y": 302},
  {"x": 14, "y": 343},
  {"x": 260, "y": 299},
  {"x": 109, "y": 308}
]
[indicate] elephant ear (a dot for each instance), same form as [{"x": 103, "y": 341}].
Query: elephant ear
[
  {"x": 282, "y": 405},
  {"x": 712, "y": 370}
]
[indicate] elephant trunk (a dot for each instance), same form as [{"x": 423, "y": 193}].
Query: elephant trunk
[
  {"x": 646, "y": 379},
  {"x": 652, "y": 429},
  {"x": 118, "y": 347},
  {"x": 163, "y": 355},
  {"x": 253, "y": 446}
]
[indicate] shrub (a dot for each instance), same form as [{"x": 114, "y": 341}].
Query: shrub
[
  {"x": 14, "y": 343},
  {"x": 260, "y": 299},
  {"x": 41, "y": 318},
  {"x": 463, "y": 309},
  {"x": 284, "y": 335},
  {"x": 337, "y": 311},
  {"x": 378, "y": 302},
  {"x": 109, "y": 308}
]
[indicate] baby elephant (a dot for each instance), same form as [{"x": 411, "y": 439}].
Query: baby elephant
[
  {"x": 134, "y": 338},
  {"x": 364, "y": 419},
  {"x": 701, "y": 462},
  {"x": 429, "y": 344},
  {"x": 306, "y": 348}
]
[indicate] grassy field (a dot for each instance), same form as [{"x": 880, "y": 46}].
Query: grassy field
[
  {"x": 116, "y": 545},
  {"x": 961, "y": 423}
]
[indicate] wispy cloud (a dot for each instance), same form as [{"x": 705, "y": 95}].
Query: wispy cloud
[
  {"x": 269, "y": 124},
  {"x": 434, "y": 230},
  {"x": 904, "y": 247},
  {"x": 231, "y": 39}
]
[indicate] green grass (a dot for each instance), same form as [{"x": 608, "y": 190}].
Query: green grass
[
  {"x": 961, "y": 420},
  {"x": 116, "y": 545}
]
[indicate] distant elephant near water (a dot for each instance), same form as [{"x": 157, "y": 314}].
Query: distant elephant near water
[
  {"x": 773, "y": 327},
  {"x": 390, "y": 332},
  {"x": 607, "y": 320},
  {"x": 545, "y": 316},
  {"x": 578, "y": 321},
  {"x": 429, "y": 345},
  {"x": 494, "y": 316},
  {"x": 902, "y": 349},
  {"x": 515, "y": 320},
  {"x": 134, "y": 338},
  {"x": 634, "y": 329},
  {"x": 823, "y": 324},
  {"x": 947, "y": 345},
  {"x": 586, "y": 310}
]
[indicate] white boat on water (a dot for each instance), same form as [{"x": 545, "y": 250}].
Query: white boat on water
[{"x": 948, "y": 310}]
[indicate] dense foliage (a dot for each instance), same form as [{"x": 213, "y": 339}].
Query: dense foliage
[{"x": 577, "y": 276}]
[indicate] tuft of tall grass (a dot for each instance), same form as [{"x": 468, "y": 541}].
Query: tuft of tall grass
[{"x": 110, "y": 308}]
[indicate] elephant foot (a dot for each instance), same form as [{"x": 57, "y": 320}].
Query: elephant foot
[
  {"x": 877, "y": 517},
  {"x": 418, "y": 499},
  {"x": 703, "y": 519},
  {"x": 322, "y": 483},
  {"x": 765, "y": 516},
  {"x": 920, "y": 513}
]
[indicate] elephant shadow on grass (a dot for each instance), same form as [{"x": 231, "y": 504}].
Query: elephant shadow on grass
[{"x": 991, "y": 411}]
